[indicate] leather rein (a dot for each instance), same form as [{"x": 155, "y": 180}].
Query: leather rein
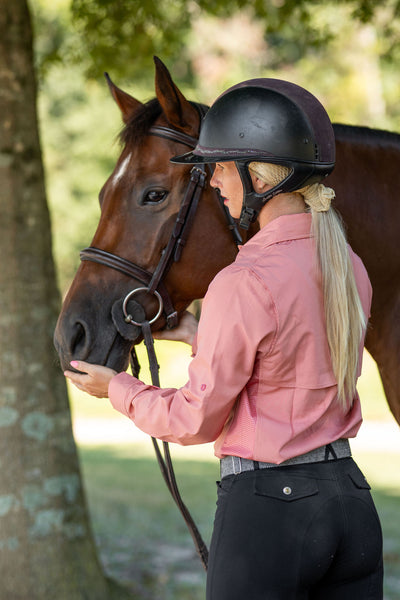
[{"x": 153, "y": 283}]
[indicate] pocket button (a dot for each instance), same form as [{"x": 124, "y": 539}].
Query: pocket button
[{"x": 287, "y": 490}]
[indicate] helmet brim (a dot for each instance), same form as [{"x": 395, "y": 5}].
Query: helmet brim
[
  {"x": 222, "y": 155},
  {"x": 190, "y": 158}
]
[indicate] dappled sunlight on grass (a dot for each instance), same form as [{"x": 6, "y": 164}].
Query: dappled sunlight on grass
[
  {"x": 203, "y": 452},
  {"x": 141, "y": 535}
]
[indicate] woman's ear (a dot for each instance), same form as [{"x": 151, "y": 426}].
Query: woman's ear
[{"x": 259, "y": 185}]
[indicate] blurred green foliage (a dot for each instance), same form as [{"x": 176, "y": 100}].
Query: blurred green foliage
[
  {"x": 291, "y": 28},
  {"x": 138, "y": 29},
  {"x": 344, "y": 52},
  {"x": 77, "y": 153}
]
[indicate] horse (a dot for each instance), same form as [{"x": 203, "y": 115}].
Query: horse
[{"x": 154, "y": 213}]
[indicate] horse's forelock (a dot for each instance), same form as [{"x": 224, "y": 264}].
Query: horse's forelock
[{"x": 140, "y": 122}]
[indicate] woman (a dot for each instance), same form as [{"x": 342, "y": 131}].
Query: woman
[{"x": 276, "y": 359}]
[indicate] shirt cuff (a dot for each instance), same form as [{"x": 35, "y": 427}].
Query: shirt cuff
[{"x": 120, "y": 389}]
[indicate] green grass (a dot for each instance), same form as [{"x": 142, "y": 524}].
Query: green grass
[
  {"x": 383, "y": 474},
  {"x": 142, "y": 538}
]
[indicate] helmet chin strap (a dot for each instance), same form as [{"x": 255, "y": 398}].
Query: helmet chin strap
[{"x": 253, "y": 202}]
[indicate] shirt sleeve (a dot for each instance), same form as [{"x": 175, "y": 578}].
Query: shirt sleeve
[{"x": 238, "y": 314}]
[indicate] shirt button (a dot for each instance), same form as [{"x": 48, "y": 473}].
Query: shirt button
[{"x": 287, "y": 490}]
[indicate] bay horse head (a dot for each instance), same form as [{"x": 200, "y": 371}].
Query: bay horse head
[{"x": 153, "y": 213}]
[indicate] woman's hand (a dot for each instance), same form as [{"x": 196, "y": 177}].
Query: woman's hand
[
  {"x": 93, "y": 379},
  {"x": 184, "y": 332}
]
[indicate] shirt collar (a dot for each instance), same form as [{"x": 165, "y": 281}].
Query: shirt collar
[{"x": 281, "y": 229}]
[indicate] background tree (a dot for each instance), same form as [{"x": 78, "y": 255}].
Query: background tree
[{"x": 46, "y": 547}]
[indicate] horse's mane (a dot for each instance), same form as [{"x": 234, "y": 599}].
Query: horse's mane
[
  {"x": 366, "y": 135},
  {"x": 142, "y": 119},
  {"x": 140, "y": 122}
]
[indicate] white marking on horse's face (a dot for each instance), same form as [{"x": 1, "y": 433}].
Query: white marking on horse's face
[{"x": 122, "y": 169}]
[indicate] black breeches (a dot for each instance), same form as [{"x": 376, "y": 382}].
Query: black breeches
[{"x": 301, "y": 532}]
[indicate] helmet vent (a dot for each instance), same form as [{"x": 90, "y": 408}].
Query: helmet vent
[{"x": 316, "y": 151}]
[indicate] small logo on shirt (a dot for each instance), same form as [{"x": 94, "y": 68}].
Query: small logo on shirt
[{"x": 203, "y": 387}]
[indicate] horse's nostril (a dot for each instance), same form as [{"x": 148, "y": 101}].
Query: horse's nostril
[{"x": 79, "y": 339}]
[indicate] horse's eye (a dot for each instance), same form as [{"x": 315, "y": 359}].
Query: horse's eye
[{"x": 155, "y": 196}]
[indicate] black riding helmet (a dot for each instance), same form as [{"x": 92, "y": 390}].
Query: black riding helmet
[{"x": 267, "y": 120}]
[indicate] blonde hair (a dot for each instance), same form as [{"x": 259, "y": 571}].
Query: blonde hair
[{"x": 345, "y": 318}]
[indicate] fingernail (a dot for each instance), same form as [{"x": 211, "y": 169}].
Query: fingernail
[{"x": 74, "y": 363}]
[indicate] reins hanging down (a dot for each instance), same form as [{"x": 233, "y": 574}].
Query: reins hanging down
[{"x": 165, "y": 462}]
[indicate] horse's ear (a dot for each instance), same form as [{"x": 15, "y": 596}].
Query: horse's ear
[
  {"x": 180, "y": 113},
  {"x": 127, "y": 104}
]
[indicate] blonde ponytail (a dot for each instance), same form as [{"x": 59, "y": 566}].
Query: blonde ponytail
[{"x": 345, "y": 318}]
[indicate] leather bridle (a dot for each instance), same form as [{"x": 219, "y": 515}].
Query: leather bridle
[{"x": 153, "y": 283}]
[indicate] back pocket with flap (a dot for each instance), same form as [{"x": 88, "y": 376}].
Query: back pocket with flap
[{"x": 285, "y": 487}]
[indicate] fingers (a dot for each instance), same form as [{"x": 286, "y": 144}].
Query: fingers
[
  {"x": 167, "y": 334},
  {"x": 92, "y": 379},
  {"x": 184, "y": 332},
  {"x": 81, "y": 366}
]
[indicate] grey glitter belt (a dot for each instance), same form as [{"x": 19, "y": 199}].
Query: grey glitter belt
[{"x": 233, "y": 465}]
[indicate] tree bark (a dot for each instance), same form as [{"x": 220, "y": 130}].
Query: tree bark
[{"x": 46, "y": 546}]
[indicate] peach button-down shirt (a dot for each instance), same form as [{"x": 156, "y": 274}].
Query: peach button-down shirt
[{"x": 260, "y": 384}]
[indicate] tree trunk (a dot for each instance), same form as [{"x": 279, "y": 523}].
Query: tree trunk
[{"x": 46, "y": 546}]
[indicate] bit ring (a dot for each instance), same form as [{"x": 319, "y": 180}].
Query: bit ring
[{"x": 128, "y": 318}]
